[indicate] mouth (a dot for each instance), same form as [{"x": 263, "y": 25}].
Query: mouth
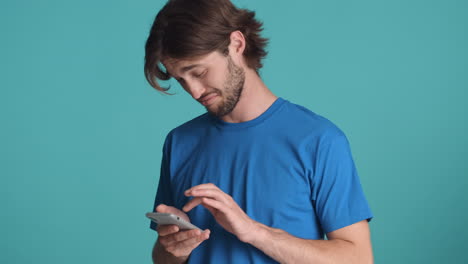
[{"x": 208, "y": 99}]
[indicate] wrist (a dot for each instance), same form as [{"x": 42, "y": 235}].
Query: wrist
[
  {"x": 161, "y": 255},
  {"x": 256, "y": 233}
]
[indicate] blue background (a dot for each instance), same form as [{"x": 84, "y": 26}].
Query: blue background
[{"x": 81, "y": 131}]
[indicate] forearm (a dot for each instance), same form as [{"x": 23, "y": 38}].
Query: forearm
[
  {"x": 286, "y": 248},
  {"x": 160, "y": 256}
]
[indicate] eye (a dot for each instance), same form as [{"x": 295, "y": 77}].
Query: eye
[{"x": 199, "y": 75}]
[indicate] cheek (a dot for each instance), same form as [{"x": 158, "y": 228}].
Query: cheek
[{"x": 214, "y": 81}]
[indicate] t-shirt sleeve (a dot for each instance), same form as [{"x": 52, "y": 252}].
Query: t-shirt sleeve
[
  {"x": 336, "y": 189},
  {"x": 164, "y": 192}
]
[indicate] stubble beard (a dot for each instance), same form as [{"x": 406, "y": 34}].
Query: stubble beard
[{"x": 233, "y": 87}]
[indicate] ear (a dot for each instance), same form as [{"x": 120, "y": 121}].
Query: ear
[{"x": 237, "y": 47}]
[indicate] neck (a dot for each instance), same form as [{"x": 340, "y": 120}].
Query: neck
[{"x": 255, "y": 99}]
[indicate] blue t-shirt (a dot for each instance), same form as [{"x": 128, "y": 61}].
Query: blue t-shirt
[{"x": 289, "y": 168}]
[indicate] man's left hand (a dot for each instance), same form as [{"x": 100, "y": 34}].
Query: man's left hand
[{"x": 223, "y": 208}]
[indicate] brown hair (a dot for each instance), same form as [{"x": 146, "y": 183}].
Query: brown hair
[{"x": 189, "y": 28}]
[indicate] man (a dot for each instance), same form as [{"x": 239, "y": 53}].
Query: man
[{"x": 264, "y": 178}]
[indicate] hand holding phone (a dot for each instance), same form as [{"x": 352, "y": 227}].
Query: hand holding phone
[{"x": 185, "y": 240}]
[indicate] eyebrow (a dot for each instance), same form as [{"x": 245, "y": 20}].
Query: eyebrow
[
  {"x": 189, "y": 67},
  {"x": 186, "y": 68}
]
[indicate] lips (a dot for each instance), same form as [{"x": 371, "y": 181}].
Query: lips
[{"x": 207, "y": 99}]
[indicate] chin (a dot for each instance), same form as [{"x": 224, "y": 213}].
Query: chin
[
  {"x": 214, "y": 107},
  {"x": 213, "y": 111}
]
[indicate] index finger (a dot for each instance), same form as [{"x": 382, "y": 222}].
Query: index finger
[
  {"x": 164, "y": 230},
  {"x": 203, "y": 186}
]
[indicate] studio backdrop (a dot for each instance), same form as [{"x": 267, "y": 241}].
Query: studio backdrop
[{"x": 81, "y": 131}]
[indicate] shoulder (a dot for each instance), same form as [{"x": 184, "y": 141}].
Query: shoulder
[
  {"x": 304, "y": 119},
  {"x": 193, "y": 128}
]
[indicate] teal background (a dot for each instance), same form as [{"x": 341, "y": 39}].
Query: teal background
[{"x": 81, "y": 131}]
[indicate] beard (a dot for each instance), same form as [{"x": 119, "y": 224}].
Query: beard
[{"x": 233, "y": 86}]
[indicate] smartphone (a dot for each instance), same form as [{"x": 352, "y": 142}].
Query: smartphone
[{"x": 170, "y": 219}]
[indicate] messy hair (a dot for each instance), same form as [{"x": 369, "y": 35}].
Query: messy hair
[{"x": 189, "y": 28}]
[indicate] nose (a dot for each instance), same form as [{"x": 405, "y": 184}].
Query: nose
[{"x": 195, "y": 89}]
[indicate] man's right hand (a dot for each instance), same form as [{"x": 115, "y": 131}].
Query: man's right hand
[{"x": 175, "y": 242}]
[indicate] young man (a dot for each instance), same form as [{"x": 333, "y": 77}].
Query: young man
[{"x": 264, "y": 178}]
